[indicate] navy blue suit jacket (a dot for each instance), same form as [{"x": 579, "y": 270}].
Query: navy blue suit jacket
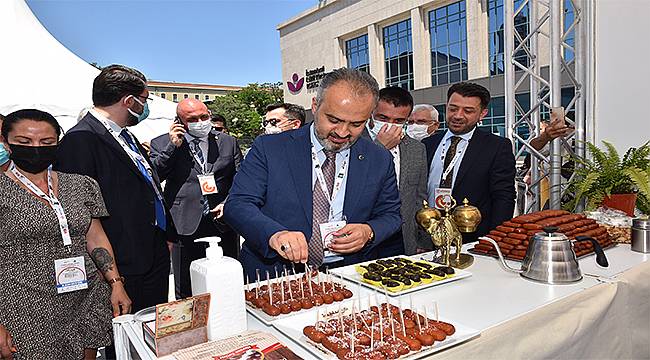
[{"x": 272, "y": 192}]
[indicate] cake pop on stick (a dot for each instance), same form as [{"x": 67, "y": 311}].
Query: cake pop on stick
[
  {"x": 401, "y": 317},
  {"x": 426, "y": 317},
  {"x": 381, "y": 326},
  {"x": 341, "y": 321},
  {"x": 435, "y": 309},
  {"x": 372, "y": 336}
]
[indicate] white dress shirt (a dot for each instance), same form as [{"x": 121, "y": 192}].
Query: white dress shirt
[
  {"x": 438, "y": 160},
  {"x": 336, "y": 207}
]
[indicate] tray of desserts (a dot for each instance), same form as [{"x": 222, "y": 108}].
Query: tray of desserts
[
  {"x": 400, "y": 275},
  {"x": 288, "y": 294},
  {"x": 377, "y": 331}
]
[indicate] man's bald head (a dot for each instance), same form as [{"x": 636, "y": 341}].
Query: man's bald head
[{"x": 192, "y": 110}]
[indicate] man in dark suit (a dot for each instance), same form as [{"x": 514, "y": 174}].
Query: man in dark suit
[
  {"x": 471, "y": 163},
  {"x": 318, "y": 194},
  {"x": 386, "y": 129},
  {"x": 198, "y": 165},
  {"x": 101, "y": 147}
]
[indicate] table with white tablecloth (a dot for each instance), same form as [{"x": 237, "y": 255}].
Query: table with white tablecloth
[{"x": 605, "y": 315}]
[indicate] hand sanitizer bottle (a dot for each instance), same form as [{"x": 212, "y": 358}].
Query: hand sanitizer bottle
[{"x": 223, "y": 278}]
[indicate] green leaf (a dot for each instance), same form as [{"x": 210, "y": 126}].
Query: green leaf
[
  {"x": 640, "y": 178},
  {"x": 585, "y": 185}
]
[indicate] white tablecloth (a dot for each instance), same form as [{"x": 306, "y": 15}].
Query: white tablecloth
[{"x": 605, "y": 315}]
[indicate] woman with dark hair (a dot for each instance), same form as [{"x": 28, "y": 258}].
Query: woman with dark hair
[{"x": 58, "y": 279}]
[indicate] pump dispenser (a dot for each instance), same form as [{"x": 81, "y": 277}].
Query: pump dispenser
[{"x": 223, "y": 278}]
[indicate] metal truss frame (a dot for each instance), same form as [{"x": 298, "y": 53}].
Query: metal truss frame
[{"x": 546, "y": 20}]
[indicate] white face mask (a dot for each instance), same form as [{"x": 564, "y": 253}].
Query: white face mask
[
  {"x": 272, "y": 129},
  {"x": 417, "y": 131},
  {"x": 199, "y": 129},
  {"x": 379, "y": 124}
]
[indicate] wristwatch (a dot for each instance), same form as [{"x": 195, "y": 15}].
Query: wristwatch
[{"x": 117, "y": 279}]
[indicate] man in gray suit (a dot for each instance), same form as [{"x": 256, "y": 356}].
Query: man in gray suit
[
  {"x": 387, "y": 129},
  {"x": 198, "y": 164}
]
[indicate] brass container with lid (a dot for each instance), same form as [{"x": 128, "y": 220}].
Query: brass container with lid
[{"x": 467, "y": 217}]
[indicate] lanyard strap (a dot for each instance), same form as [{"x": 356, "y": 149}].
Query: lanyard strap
[
  {"x": 51, "y": 199},
  {"x": 453, "y": 161},
  {"x": 338, "y": 180},
  {"x": 195, "y": 155},
  {"x": 135, "y": 157}
]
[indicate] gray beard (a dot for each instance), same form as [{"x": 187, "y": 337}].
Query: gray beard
[{"x": 327, "y": 146}]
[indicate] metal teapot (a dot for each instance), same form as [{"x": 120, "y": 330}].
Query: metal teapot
[{"x": 550, "y": 257}]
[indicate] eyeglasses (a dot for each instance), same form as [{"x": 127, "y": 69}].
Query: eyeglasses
[
  {"x": 274, "y": 121},
  {"x": 218, "y": 128}
]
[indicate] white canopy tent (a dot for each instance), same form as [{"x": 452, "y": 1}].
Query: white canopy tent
[{"x": 36, "y": 71}]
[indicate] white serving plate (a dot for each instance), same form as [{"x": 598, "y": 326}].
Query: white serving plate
[
  {"x": 350, "y": 273},
  {"x": 269, "y": 320},
  {"x": 293, "y": 327}
]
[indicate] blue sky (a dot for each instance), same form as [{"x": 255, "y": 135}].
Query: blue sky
[{"x": 211, "y": 41}]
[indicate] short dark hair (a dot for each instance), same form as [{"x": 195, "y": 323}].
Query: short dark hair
[
  {"x": 218, "y": 117},
  {"x": 361, "y": 83},
  {"x": 396, "y": 96},
  {"x": 28, "y": 114},
  {"x": 115, "y": 82},
  {"x": 292, "y": 110},
  {"x": 468, "y": 89}
]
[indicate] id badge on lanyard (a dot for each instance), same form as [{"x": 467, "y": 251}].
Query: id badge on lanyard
[
  {"x": 442, "y": 195},
  {"x": 206, "y": 180},
  {"x": 442, "y": 198},
  {"x": 208, "y": 184},
  {"x": 70, "y": 272},
  {"x": 327, "y": 231}
]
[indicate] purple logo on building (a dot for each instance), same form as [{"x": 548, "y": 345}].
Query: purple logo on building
[{"x": 296, "y": 83}]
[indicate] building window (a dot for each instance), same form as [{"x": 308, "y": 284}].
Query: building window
[
  {"x": 569, "y": 16},
  {"x": 175, "y": 97},
  {"x": 196, "y": 97},
  {"x": 185, "y": 96},
  {"x": 163, "y": 95},
  {"x": 496, "y": 14},
  {"x": 207, "y": 97},
  {"x": 356, "y": 51},
  {"x": 448, "y": 29},
  {"x": 398, "y": 55}
]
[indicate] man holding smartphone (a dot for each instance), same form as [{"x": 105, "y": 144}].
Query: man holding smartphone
[{"x": 199, "y": 164}]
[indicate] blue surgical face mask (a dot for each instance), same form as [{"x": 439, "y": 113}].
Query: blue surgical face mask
[
  {"x": 145, "y": 110},
  {"x": 4, "y": 155}
]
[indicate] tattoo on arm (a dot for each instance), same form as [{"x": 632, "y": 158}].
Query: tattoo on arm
[{"x": 103, "y": 259}]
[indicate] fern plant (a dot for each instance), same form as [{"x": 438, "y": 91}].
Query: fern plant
[{"x": 606, "y": 173}]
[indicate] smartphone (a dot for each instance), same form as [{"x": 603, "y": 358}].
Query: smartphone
[{"x": 558, "y": 113}]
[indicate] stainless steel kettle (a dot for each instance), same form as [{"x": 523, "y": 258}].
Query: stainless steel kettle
[{"x": 550, "y": 257}]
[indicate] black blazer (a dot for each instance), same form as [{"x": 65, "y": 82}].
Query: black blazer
[
  {"x": 89, "y": 149},
  {"x": 177, "y": 167},
  {"x": 486, "y": 177}
]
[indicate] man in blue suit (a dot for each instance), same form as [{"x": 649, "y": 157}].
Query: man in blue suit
[{"x": 320, "y": 194}]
